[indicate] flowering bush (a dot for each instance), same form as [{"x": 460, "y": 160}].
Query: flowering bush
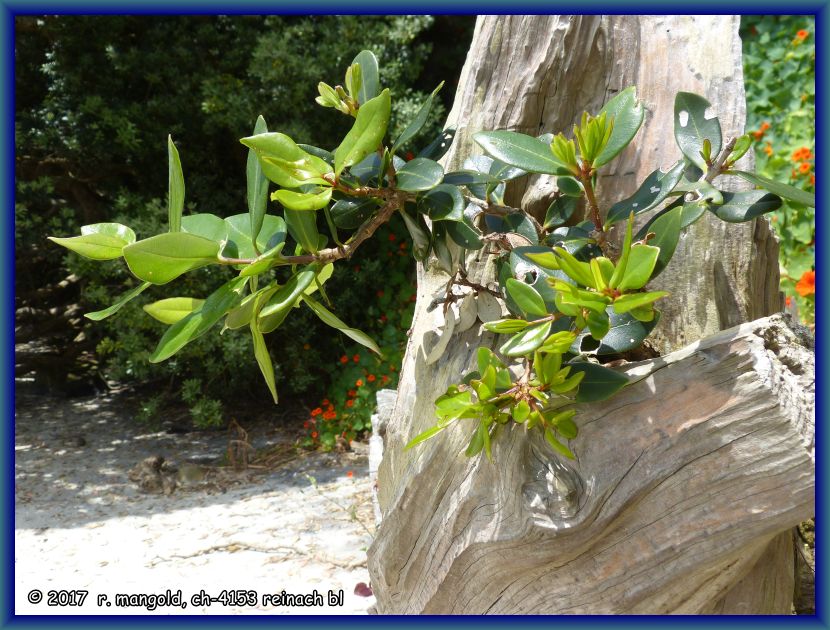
[{"x": 779, "y": 68}]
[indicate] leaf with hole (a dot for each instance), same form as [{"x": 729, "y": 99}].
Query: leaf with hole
[
  {"x": 656, "y": 187},
  {"x": 691, "y": 127}
]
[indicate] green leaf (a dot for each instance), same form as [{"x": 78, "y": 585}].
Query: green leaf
[
  {"x": 650, "y": 194},
  {"x": 625, "y": 333},
  {"x": 418, "y": 122},
  {"x": 302, "y": 226},
  {"x": 666, "y": 228},
  {"x": 625, "y": 303},
  {"x": 264, "y": 262},
  {"x": 171, "y": 310},
  {"x": 288, "y": 294},
  {"x": 598, "y": 324},
  {"x": 238, "y": 227},
  {"x": 598, "y": 383},
  {"x": 263, "y": 359},
  {"x": 526, "y": 341},
  {"x": 424, "y": 436},
  {"x": 782, "y": 190},
  {"x": 419, "y": 174},
  {"x": 418, "y": 230},
  {"x": 557, "y": 445},
  {"x": 463, "y": 235},
  {"x": 517, "y": 149},
  {"x": 164, "y": 257},
  {"x": 560, "y": 211},
  {"x": 370, "y": 81},
  {"x": 569, "y": 186},
  {"x": 366, "y": 134},
  {"x": 742, "y": 145},
  {"x": 332, "y": 320},
  {"x": 506, "y": 326},
  {"x": 576, "y": 269},
  {"x": 563, "y": 421},
  {"x": 521, "y": 410},
  {"x": 126, "y": 297},
  {"x": 443, "y": 203},
  {"x": 452, "y": 405},
  {"x": 302, "y": 202},
  {"x": 198, "y": 322},
  {"x": 284, "y": 162},
  {"x": 627, "y": 114},
  {"x": 175, "y": 187},
  {"x": 691, "y": 127},
  {"x": 436, "y": 149},
  {"x": 241, "y": 315},
  {"x": 526, "y": 297},
  {"x": 466, "y": 177},
  {"x": 207, "y": 226},
  {"x": 350, "y": 214},
  {"x": 257, "y": 184},
  {"x": 99, "y": 241},
  {"x": 744, "y": 206},
  {"x": 641, "y": 263}
]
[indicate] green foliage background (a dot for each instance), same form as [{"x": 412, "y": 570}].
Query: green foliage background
[
  {"x": 96, "y": 98},
  {"x": 779, "y": 71}
]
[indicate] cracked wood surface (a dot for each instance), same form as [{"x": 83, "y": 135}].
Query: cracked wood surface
[
  {"x": 680, "y": 483},
  {"x": 535, "y": 74}
]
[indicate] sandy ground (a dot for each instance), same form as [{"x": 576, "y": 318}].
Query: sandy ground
[{"x": 240, "y": 538}]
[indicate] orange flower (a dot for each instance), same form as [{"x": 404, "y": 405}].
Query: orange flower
[
  {"x": 802, "y": 34},
  {"x": 758, "y": 134},
  {"x": 352, "y": 393},
  {"x": 764, "y": 126},
  {"x": 768, "y": 149},
  {"x": 384, "y": 379},
  {"x": 329, "y": 415},
  {"x": 359, "y": 382},
  {"x": 326, "y": 402},
  {"x": 788, "y": 301},
  {"x": 306, "y": 346},
  {"x": 350, "y": 403},
  {"x": 356, "y": 358},
  {"x": 371, "y": 378},
  {"x": 801, "y": 154},
  {"x": 344, "y": 359},
  {"x": 316, "y": 412},
  {"x": 812, "y": 180},
  {"x": 314, "y": 435},
  {"x": 350, "y": 473},
  {"x": 807, "y": 285},
  {"x": 804, "y": 167}
]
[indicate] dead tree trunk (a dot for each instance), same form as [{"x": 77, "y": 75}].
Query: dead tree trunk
[{"x": 687, "y": 482}]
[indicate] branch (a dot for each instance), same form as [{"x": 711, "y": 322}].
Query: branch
[
  {"x": 503, "y": 211},
  {"x": 717, "y": 168}
]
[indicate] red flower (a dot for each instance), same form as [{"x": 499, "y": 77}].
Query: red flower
[
  {"x": 392, "y": 238},
  {"x": 329, "y": 415},
  {"x": 807, "y": 284},
  {"x": 409, "y": 155},
  {"x": 306, "y": 424},
  {"x": 350, "y": 403},
  {"x": 326, "y": 402},
  {"x": 316, "y": 412},
  {"x": 371, "y": 378},
  {"x": 352, "y": 393},
  {"x": 359, "y": 382},
  {"x": 384, "y": 379},
  {"x": 314, "y": 435},
  {"x": 344, "y": 359},
  {"x": 788, "y": 301},
  {"x": 802, "y": 34},
  {"x": 356, "y": 358},
  {"x": 350, "y": 473}
]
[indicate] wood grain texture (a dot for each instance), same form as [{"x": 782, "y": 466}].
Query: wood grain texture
[
  {"x": 449, "y": 522},
  {"x": 680, "y": 483}
]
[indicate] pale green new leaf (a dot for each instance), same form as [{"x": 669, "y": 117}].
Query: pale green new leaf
[
  {"x": 332, "y": 320},
  {"x": 164, "y": 257},
  {"x": 171, "y": 310},
  {"x": 175, "y": 187},
  {"x": 366, "y": 135}
]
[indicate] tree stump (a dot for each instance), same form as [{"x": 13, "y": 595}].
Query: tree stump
[{"x": 685, "y": 483}]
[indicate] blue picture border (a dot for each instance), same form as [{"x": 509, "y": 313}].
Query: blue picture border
[{"x": 8, "y": 11}]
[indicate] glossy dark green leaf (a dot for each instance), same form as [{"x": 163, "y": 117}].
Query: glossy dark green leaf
[
  {"x": 170, "y": 310},
  {"x": 257, "y": 183},
  {"x": 569, "y": 186},
  {"x": 466, "y": 177},
  {"x": 198, "y": 322},
  {"x": 666, "y": 227},
  {"x": 560, "y": 211},
  {"x": 417, "y": 123},
  {"x": 436, "y": 149},
  {"x": 326, "y": 156},
  {"x": 112, "y": 310},
  {"x": 443, "y": 203},
  {"x": 288, "y": 294},
  {"x": 651, "y": 193},
  {"x": 370, "y": 78},
  {"x": 366, "y": 135},
  {"x": 463, "y": 235},
  {"x": 164, "y": 257},
  {"x": 782, "y": 190},
  {"x": 418, "y": 230},
  {"x": 599, "y": 383},
  {"x": 175, "y": 187},
  {"x": 302, "y": 226},
  {"x": 330, "y": 319},
  {"x": 691, "y": 127},
  {"x": 526, "y": 341},
  {"x": 526, "y": 297},
  {"x": 350, "y": 213},
  {"x": 745, "y": 206},
  {"x": 516, "y": 222},
  {"x": 99, "y": 241},
  {"x": 519, "y": 150},
  {"x": 419, "y": 174},
  {"x": 624, "y": 334},
  {"x": 627, "y": 114}
]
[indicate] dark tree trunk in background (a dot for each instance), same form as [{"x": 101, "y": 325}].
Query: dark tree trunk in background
[{"x": 686, "y": 484}]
